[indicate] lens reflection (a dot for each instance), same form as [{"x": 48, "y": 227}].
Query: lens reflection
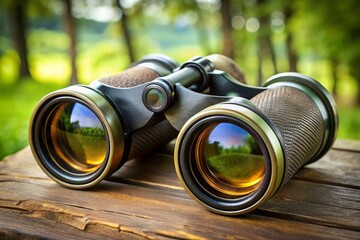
[
  {"x": 230, "y": 159},
  {"x": 155, "y": 98},
  {"x": 78, "y": 139}
]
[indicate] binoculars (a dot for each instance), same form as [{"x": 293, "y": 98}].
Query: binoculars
[{"x": 236, "y": 145}]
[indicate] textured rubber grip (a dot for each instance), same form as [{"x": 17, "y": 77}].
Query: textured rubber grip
[
  {"x": 150, "y": 137},
  {"x": 130, "y": 77},
  {"x": 299, "y": 121},
  {"x": 228, "y": 65}
]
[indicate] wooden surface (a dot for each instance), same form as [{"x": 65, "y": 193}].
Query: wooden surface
[{"x": 144, "y": 200}]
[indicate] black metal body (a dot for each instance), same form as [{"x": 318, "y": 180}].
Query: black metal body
[{"x": 185, "y": 103}]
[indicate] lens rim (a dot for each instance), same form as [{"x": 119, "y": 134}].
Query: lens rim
[
  {"x": 270, "y": 142},
  {"x": 103, "y": 110}
]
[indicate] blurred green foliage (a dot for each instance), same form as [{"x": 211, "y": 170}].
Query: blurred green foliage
[
  {"x": 349, "y": 123},
  {"x": 181, "y": 29},
  {"x": 17, "y": 102}
]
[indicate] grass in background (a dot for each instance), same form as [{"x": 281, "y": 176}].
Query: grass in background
[
  {"x": 349, "y": 123},
  {"x": 17, "y": 102}
]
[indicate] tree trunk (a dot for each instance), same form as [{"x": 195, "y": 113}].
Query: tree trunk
[
  {"x": 260, "y": 73},
  {"x": 202, "y": 33},
  {"x": 291, "y": 53},
  {"x": 271, "y": 51},
  {"x": 70, "y": 29},
  {"x": 228, "y": 44},
  {"x": 126, "y": 31},
  {"x": 266, "y": 48},
  {"x": 265, "y": 45},
  {"x": 334, "y": 68},
  {"x": 354, "y": 71},
  {"x": 19, "y": 28}
]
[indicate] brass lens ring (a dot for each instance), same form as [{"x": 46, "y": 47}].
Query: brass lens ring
[
  {"x": 87, "y": 153},
  {"x": 205, "y": 186}
]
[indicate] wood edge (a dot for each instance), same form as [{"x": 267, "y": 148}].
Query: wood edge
[{"x": 347, "y": 145}]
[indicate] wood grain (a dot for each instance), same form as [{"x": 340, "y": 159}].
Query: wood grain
[{"x": 144, "y": 200}]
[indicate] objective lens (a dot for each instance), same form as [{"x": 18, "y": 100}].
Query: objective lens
[
  {"x": 229, "y": 159},
  {"x": 77, "y": 138}
]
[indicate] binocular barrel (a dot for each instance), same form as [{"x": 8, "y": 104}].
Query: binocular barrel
[
  {"x": 233, "y": 156},
  {"x": 78, "y": 135}
]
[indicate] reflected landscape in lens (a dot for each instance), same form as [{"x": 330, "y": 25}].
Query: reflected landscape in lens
[
  {"x": 77, "y": 138},
  {"x": 231, "y": 159}
]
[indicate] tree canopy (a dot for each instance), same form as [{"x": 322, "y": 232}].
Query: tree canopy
[{"x": 263, "y": 36}]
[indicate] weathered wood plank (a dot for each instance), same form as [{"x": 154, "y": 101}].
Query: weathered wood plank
[
  {"x": 15, "y": 224},
  {"x": 156, "y": 169},
  {"x": 316, "y": 203},
  {"x": 144, "y": 199},
  {"x": 21, "y": 163},
  {"x": 338, "y": 167},
  {"x": 146, "y": 212}
]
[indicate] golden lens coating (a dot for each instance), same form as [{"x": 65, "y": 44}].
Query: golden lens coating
[
  {"x": 77, "y": 138},
  {"x": 229, "y": 159}
]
